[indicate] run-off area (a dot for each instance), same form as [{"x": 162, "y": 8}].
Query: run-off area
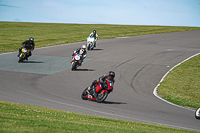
[{"x": 39, "y": 64}]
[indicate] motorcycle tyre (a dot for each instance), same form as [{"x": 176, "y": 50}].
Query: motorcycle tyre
[
  {"x": 91, "y": 46},
  {"x": 105, "y": 94},
  {"x": 197, "y": 113},
  {"x": 74, "y": 66},
  {"x": 21, "y": 58},
  {"x": 84, "y": 94},
  {"x": 88, "y": 48}
]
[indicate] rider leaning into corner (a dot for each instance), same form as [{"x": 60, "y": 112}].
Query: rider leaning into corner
[
  {"x": 28, "y": 44},
  {"x": 102, "y": 79},
  {"x": 95, "y": 35},
  {"x": 82, "y": 51}
]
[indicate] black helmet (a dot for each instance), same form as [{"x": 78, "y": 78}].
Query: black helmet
[
  {"x": 31, "y": 39},
  {"x": 112, "y": 75},
  {"x": 94, "y": 31}
]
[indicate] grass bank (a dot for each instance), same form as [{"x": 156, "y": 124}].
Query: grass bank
[
  {"x": 12, "y": 34},
  {"x": 24, "y": 118},
  {"x": 182, "y": 84}
]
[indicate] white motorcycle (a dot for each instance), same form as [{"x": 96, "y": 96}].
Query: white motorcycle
[
  {"x": 197, "y": 113},
  {"x": 90, "y": 43}
]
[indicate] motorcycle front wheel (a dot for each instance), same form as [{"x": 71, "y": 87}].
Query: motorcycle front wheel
[
  {"x": 91, "y": 46},
  {"x": 74, "y": 64},
  {"x": 197, "y": 113},
  {"x": 88, "y": 48},
  {"x": 101, "y": 96},
  {"x": 84, "y": 94},
  {"x": 21, "y": 57}
]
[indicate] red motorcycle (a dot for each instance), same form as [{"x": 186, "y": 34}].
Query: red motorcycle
[
  {"x": 98, "y": 92},
  {"x": 76, "y": 61}
]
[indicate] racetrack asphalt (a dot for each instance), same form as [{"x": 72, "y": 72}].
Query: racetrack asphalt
[{"x": 139, "y": 63}]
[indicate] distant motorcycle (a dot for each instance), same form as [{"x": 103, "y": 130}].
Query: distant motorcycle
[
  {"x": 102, "y": 91},
  {"x": 76, "y": 61},
  {"x": 90, "y": 43},
  {"x": 197, "y": 113},
  {"x": 24, "y": 54}
]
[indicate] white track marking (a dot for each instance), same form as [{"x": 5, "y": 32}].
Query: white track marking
[{"x": 155, "y": 89}]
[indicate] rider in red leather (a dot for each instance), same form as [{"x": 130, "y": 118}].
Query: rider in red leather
[{"x": 110, "y": 75}]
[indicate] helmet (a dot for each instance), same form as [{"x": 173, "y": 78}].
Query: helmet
[
  {"x": 94, "y": 32},
  {"x": 111, "y": 75},
  {"x": 31, "y": 39},
  {"x": 83, "y": 47}
]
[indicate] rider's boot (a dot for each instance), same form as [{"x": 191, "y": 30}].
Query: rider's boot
[
  {"x": 94, "y": 44},
  {"x": 89, "y": 90},
  {"x": 81, "y": 62},
  {"x": 26, "y": 57}
]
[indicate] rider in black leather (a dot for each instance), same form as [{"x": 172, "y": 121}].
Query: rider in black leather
[
  {"x": 28, "y": 44},
  {"x": 81, "y": 51}
]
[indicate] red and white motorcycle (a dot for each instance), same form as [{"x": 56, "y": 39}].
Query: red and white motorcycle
[
  {"x": 76, "y": 61},
  {"x": 102, "y": 91}
]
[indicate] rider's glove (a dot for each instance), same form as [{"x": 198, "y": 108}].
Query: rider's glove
[{"x": 94, "y": 82}]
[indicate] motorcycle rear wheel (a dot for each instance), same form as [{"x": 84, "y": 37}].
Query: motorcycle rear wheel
[
  {"x": 84, "y": 94},
  {"x": 101, "y": 97},
  {"x": 197, "y": 113}
]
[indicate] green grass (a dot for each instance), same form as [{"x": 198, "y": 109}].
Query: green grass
[
  {"x": 25, "y": 118},
  {"x": 180, "y": 86},
  {"x": 12, "y": 34}
]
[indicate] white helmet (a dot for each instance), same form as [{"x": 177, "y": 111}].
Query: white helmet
[{"x": 83, "y": 47}]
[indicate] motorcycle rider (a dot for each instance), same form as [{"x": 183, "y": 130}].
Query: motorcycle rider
[
  {"x": 102, "y": 79},
  {"x": 82, "y": 51},
  {"x": 28, "y": 44},
  {"x": 95, "y": 35}
]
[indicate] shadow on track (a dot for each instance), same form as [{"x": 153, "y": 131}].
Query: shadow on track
[
  {"x": 107, "y": 102},
  {"x": 84, "y": 70},
  {"x": 97, "y": 49},
  {"x": 32, "y": 62}
]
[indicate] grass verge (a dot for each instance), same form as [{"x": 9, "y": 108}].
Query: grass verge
[
  {"x": 182, "y": 85},
  {"x": 25, "y": 118},
  {"x": 12, "y": 34}
]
